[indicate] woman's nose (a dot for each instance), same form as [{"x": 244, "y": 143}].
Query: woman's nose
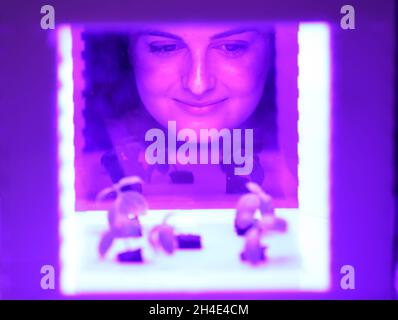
[{"x": 197, "y": 76}]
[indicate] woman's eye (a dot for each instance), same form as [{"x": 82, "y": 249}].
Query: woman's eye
[
  {"x": 164, "y": 48},
  {"x": 233, "y": 49}
]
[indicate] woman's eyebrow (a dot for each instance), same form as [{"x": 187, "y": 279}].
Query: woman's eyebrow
[
  {"x": 231, "y": 33},
  {"x": 163, "y": 34}
]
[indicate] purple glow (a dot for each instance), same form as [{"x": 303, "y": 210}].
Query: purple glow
[
  {"x": 314, "y": 151},
  {"x": 310, "y": 223},
  {"x": 66, "y": 158}
]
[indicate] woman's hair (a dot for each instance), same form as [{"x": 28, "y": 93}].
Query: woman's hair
[{"x": 111, "y": 94}]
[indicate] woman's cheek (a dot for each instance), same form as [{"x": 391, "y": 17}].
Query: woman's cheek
[
  {"x": 161, "y": 77},
  {"x": 242, "y": 73},
  {"x": 148, "y": 81},
  {"x": 239, "y": 80}
]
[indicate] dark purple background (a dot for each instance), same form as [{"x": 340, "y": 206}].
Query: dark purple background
[{"x": 363, "y": 133}]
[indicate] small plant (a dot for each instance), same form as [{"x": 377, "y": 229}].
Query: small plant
[
  {"x": 253, "y": 251},
  {"x": 254, "y": 229},
  {"x": 123, "y": 217},
  {"x": 162, "y": 237}
]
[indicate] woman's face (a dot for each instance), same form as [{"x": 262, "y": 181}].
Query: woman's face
[{"x": 201, "y": 76}]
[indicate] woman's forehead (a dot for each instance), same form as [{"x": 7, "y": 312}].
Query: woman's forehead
[{"x": 208, "y": 29}]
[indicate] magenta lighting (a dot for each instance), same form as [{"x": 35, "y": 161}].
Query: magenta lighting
[{"x": 215, "y": 268}]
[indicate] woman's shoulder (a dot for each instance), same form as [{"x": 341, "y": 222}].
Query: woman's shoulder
[{"x": 279, "y": 179}]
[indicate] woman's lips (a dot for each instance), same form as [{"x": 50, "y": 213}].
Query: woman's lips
[{"x": 199, "y": 107}]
